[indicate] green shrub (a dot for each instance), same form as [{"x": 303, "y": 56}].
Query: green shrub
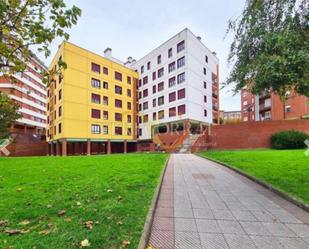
[{"x": 288, "y": 140}]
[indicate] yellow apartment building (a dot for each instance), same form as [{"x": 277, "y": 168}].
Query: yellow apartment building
[{"x": 91, "y": 105}]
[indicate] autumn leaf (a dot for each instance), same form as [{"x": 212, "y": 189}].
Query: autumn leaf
[
  {"x": 10, "y": 247},
  {"x": 85, "y": 243},
  {"x": 15, "y": 231},
  {"x": 45, "y": 232},
  {"x": 109, "y": 190},
  {"x": 61, "y": 212},
  {"x": 119, "y": 198},
  {"x": 125, "y": 243},
  {"x": 89, "y": 224},
  {"x": 24, "y": 222},
  {"x": 67, "y": 219},
  {"x": 3, "y": 223},
  {"x": 49, "y": 206},
  {"x": 119, "y": 222}
]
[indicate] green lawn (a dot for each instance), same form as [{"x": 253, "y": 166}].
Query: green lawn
[
  {"x": 287, "y": 170},
  {"x": 58, "y": 202}
]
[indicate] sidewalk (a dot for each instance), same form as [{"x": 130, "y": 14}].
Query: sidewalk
[{"x": 205, "y": 205}]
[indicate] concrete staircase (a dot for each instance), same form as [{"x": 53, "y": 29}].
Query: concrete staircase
[{"x": 187, "y": 143}]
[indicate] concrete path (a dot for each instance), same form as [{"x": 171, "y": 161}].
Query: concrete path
[{"x": 205, "y": 205}]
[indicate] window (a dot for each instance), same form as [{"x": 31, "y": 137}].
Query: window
[
  {"x": 171, "y": 67},
  {"x": 287, "y": 108},
  {"x": 105, "y": 115},
  {"x": 172, "y": 112},
  {"x": 180, "y": 46},
  {"x": 160, "y": 72},
  {"x": 118, "y": 130},
  {"x": 129, "y": 118},
  {"x": 206, "y": 59},
  {"x": 154, "y": 75},
  {"x": 142, "y": 69},
  {"x": 118, "y": 116},
  {"x": 55, "y": 114},
  {"x": 105, "y": 100},
  {"x": 118, "y": 103},
  {"x": 118, "y": 76},
  {"x": 205, "y": 98},
  {"x": 118, "y": 89},
  {"x": 139, "y": 95},
  {"x": 95, "y": 113},
  {"x": 172, "y": 97},
  {"x": 145, "y": 105},
  {"x": 154, "y": 116},
  {"x": 154, "y": 88},
  {"x": 161, "y": 86},
  {"x": 204, "y": 70},
  {"x": 181, "y": 62},
  {"x": 95, "y": 83},
  {"x": 59, "y": 111},
  {"x": 170, "y": 53},
  {"x": 145, "y": 80},
  {"x": 205, "y": 113},
  {"x": 172, "y": 82},
  {"x": 129, "y": 106},
  {"x": 140, "y": 107},
  {"x": 139, "y": 119},
  {"x": 159, "y": 59},
  {"x": 55, "y": 130},
  {"x": 154, "y": 102},
  {"x": 140, "y": 83},
  {"x": 140, "y": 132},
  {"x": 145, "y": 119},
  {"x": 129, "y": 92},
  {"x": 95, "y": 98},
  {"x": 129, "y": 132},
  {"x": 95, "y": 68},
  {"x": 205, "y": 84},
  {"x": 161, "y": 114},
  {"x": 148, "y": 65},
  {"x": 161, "y": 100},
  {"x": 181, "y": 93},
  {"x": 181, "y": 109},
  {"x": 105, "y": 70},
  {"x": 105, "y": 129},
  {"x": 95, "y": 129},
  {"x": 129, "y": 80},
  {"x": 145, "y": 93},
  {"x": 181, "y": 78},
  {"x": 105, "y": 85},
  {"x": 60, "y": 94}
]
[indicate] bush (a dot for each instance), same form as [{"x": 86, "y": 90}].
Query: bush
[{"x": 288, "y": 140}]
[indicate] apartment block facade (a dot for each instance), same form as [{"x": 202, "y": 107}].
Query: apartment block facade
[
  {"x": 269, "y": 106},
  {"x": 228, "y": 117},
  {"x": 91, "y": 105},
  {"x": 178, "y": 85},
  {"x": 30, "y": 93}
]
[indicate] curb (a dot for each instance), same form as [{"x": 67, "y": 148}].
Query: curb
[
  {"x": 261, "y": 183},
  {"x": 150, "y": 215}
]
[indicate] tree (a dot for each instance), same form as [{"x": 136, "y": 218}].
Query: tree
[
  {"x": 8, "y": 114},
  {"x": 270, "y": 50},
  {"x": 26, "y": 24}
]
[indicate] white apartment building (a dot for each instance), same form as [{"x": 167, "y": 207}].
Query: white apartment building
[
  {"x": 179, "y": 83},
  {"x": 29, "y": 92}
]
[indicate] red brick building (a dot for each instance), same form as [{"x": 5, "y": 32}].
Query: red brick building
[{"x": 269, "y": 106}]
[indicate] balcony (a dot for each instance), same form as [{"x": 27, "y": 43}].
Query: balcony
[
  {"x": 264, "y": 95},
  {"x": 215, "y": 94},
  {"x": 215, "y": 108},
  {"x": 264, "y": 108}
]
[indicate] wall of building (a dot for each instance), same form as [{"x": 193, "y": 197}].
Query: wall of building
[{"x": 248, "y": 135}]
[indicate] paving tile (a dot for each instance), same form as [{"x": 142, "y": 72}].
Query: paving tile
[
  {"x": 162, "y": 239},
  {"x": 293, "y": 243},
  {"x": 183, "y": 212},
  {"x": 199, "y": 204},
  {"x": 301, "y": 230},
  {"x": 164, "y": 212},
  {"x": 263, "y": 216},
  {"x": 254, "y": 228},
  {"x": 239, "y": 241},
  {"x": 207, "y": 226},
  {"x": 163, "y": 223},
  {"x": 187, "y": 240},
  {"x": 185, "y": 225},
  {"x": 243, "y": 215},
  {"x": 223, "y": 215},
  {"x": 165, "y": 203},
  {"x": 228, "y": 226},
  {"x": 203, "y": 213},
  {"x": 284, "y": 216},
  {"x": 266, "y": 242},
  {"x": 278, "y": 229},
  {"x": 213, "y": 241}
]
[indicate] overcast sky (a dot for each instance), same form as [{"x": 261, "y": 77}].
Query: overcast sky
[{"x": 135, "y": 27}]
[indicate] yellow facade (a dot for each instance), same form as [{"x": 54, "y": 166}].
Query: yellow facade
[{"x": 76, "y": 120}]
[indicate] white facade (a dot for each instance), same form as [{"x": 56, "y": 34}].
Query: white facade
[{"x": 200, "y": 66}]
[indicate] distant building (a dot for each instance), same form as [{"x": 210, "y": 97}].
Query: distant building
[
  {"x": 269, "y": 106},
  {"x": 29, "y": 92},
  {"x": 227, "y": 117}
]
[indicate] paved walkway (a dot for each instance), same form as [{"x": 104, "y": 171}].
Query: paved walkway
[{"x": 205, "y": 205}]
